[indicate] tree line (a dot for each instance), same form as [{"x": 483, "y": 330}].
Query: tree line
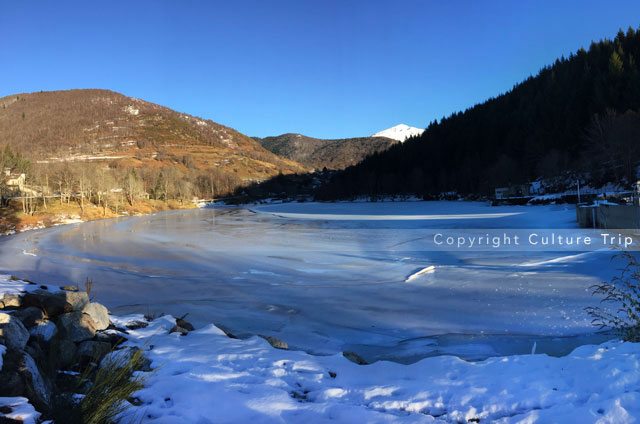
[
  {"x": 109, "y": 186},
  {"x": 578, "y": 116}
]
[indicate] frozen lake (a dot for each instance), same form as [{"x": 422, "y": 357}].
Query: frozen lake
[{"x": 333, "y": 277}]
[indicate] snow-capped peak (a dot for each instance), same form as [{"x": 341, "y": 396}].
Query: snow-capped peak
[{"x": 399, "y": 132}]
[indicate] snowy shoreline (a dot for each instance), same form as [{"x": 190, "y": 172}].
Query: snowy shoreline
[{"x": 207, "y": 377}]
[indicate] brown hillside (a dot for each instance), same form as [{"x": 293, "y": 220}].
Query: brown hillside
[
  {"x": 104, "y": 126},
  {"x": 318, "y": 153}
]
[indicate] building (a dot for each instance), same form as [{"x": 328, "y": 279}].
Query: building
[
  {"x": 517, "y": 190},
  {"x": 14, "y": 180}
]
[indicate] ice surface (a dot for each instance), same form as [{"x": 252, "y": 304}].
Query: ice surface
[{"x": 328, "y": 285}]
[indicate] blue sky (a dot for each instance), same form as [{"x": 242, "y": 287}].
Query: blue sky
[{"x": 326, "y": 69}]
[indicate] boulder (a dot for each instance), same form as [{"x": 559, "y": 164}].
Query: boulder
[
  {"x": 76, "y": 326},
  {"x": 180, "y": 322},
  {"x": 37, "y": 389},
  {"x": 275, "y": 342},
  {"x": 65, "y": 351},
  {"x": 354, "y": 357},
  {"x": 13, "y": 332},
  {"x": 10, "y": 301},
  {"x": 20, "y": 376},
  {"x": 91, "y": 351},
  {"x": 29, "y": 316},
  {"x": 12, "y": 384},
  {"x": 99, "y": 314},
  {"x": 44, "y": 331},
  {"x": 55, "y": 304}
]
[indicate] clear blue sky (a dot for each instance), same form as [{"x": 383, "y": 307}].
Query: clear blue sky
[{"x": 330, "y": 68}]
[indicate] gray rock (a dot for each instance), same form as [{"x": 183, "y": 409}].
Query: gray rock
[
  {"x": 178, "y": 329},
  {"x": 180, "y": 322},
  {"x": 13, "y": 332},
  {"x": 275, "y": 342},
  {"x": 20, "y": 376},
  {"x": 354, "y": 357},
  {"x": 29, "y": 316},
  {"x": 10, "y": 301},
  {"x": 77, "y": 300},
  {"x": 76, "y": 326},
  {"x": 99, "y": 314},
  {"x": 66, "y": 353},
  {"x": 134, "y": 325},
  {"x": 37, "y": 389},
  {"x": 55, "y": 304},
  {"x": 44, "y": 331},
  {"x": 91, "y": 351},
  {"x": 12, "y": 384}
]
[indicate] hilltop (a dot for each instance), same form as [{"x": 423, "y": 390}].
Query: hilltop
[
  {"x": 319, "y": 153},
  {"x": 101, "y": 125}
]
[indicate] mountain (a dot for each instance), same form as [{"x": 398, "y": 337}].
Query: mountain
[
  {"x": 107, "y": 128},
  {"x": 319, "y": 153},
  {"x": 399, "y": 132},
  {"x": 576, "y": 117}
]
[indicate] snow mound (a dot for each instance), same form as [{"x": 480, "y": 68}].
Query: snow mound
[
  {"x": 399, "y": 132},
  {"x": 207, "y": 374}
]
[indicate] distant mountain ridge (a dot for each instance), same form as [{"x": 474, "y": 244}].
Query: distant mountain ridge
[
  {"x": 399, "y": 132},
  {"x": 321, "y": 153}
]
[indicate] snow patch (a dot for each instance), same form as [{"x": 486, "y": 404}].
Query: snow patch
[
  {"x": 399, "y": 132},
  {"x": 131, "y": 110}
]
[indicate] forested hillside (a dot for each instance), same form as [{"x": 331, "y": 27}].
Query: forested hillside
[
  {"x": 319, "y": 153},
  {"x": 576, "y": 116}
]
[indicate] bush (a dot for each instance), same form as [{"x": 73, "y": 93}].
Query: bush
[
  {"x": 111, "y": 388},
  {"x": 624, "y": 292}
]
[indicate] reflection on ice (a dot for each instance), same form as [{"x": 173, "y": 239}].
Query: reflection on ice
[{"x": 325, "y": 285}]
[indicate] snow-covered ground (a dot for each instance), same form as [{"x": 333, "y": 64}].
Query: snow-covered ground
[{"x": 206, "y": 377}]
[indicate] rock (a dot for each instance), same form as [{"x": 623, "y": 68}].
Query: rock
[
  {"x": 354, "y": 357},
  {"x": 134, "y": 325},
  {"x": 78, "y": 300},
  {"x": 76, "y": 326},
  {"x": 275, "y": 342},
  {"x": 180, "y": 322},
  {"x": 114, "y": 339},
  {"x": 226, "y": 332},
  {"x": 29, "y": 316},
  {"x": 13, "y": 332},
  {"x": 12, "y": 384},
  {"x": 99, "y": 314},
  {"x": 69, "y": 288},
  {"x": 178, "y": 329},
  {"x": 10, "y": 301},
  {"x": 21, "y": 377},
  {"x": 90, "y": 351},
  {"x": 55, "y": 304},
  {"x": 37, "y": 389},
  {"x": 44, "y": 331},
  {"x": 65, "y": 353}
]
